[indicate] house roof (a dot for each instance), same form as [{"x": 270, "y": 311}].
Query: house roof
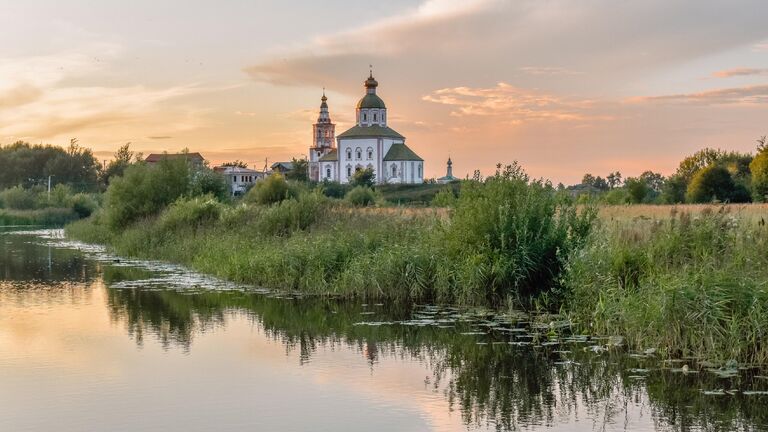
[
  {"x": 285, "y": 165},
  {"x": 157, "y": 157},
  {"x": 401, "y": 152},
  {"x": 370, "y": 131},
  {"x": 332, "y": 155}
]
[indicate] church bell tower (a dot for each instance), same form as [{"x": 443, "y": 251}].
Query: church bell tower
[{"x": 323, "y": 139}]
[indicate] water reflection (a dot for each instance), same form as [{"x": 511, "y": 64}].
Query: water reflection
[{"x": 494, "y": 371}]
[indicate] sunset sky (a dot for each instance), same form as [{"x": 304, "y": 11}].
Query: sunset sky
[{"x": 564, "y": 87}]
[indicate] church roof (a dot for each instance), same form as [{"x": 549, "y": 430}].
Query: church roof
[
  {"x": 370, "y": 131},
  {"x": 332, "y": 156},
  {"x": 370, "y": 101},
  {"x": 401, "y": 152},
  {"x": 448, "y": 178}
]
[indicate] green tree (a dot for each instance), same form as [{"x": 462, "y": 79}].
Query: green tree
[
  {"x": 637, "y": 189},
  {"x": 759, "y": 169},
  {"x": 270, "y": 190},
  {"x": 673, "y": 191},
  {"x": 614, "y": 179},
  {"x": 713, "y": 183},
  {"x": 363, "y": 177},
  {"x": 300, "y": 171},
  {"x": 235, "y": 164},
  {"x": 124, "y": 157}
]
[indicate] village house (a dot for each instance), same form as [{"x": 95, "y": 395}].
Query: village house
[
  {"x": 239, "y": 179},
  {"x": 196, "y": 159}
]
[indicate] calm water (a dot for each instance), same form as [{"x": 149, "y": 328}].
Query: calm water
[{"x": 89, "y": 342}]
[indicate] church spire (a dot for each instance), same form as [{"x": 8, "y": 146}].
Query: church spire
[{"x": 324, "y": 116}]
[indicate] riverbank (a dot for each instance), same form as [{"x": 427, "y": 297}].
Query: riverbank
[{"x": 678, "y": 281}]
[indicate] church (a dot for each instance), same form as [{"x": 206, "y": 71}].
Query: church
[{"x": 369, "y": 144}]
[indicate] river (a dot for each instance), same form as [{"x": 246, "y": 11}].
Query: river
[{"x": 94, "y": 342}]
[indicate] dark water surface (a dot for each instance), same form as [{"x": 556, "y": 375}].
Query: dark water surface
[{"x": 92, "y": 343}]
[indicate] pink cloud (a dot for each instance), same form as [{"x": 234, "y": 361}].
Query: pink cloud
[
  {"x": 748, "y": 95},
  {"x": 728, "y": 73}
]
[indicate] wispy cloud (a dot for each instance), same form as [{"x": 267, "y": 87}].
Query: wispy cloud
[
  {"x": 39, "y": 97},
  {"x": 515, "y": 104},
  {"x": 736, "y": 72},
  {"x": 748, "y": 95},
  {"x": 547, "y": 70}
]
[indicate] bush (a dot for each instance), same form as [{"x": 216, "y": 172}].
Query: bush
[
  {"x": 361, "y": 196},
  {"x": 713, "y": 183},
  {"x": 334, "y": 189},
  {"x": 363, "y": 177},
  {"x": 268, "y": 191},
  {"x": 144, "y": 190},
  {"x": 759, "y": 169},
  {"x": 190, "y": 212},
  {"x": 508, "y": 238},
  {"x": 208, "y": 182},
  {"x": 82, "y": 204},
  {"x": 444, "y": 198},
  {"x": 18, "y": 198}
]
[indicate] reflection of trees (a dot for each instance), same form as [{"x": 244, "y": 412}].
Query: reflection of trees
[
  {"x": 21, "y": 260},
  {"x": 497, "y": 384}
]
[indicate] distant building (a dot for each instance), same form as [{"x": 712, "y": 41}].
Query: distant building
[
  {"x": 369, "y": 144},
  {"x": 239, "y": 179},
  {"x": 448, "y": 177},
  {"x": 196, "y": 159},
  {"x": 282, "y": 167}
]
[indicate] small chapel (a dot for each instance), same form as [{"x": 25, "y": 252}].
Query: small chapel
[{"x": 371, "y": 143}]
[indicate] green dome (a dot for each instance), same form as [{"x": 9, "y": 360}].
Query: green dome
[{"x": 371, "y": 101}]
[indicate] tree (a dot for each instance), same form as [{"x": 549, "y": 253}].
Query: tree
[
  {"x": 600, "y": 184},
  {"x": 614, "y": 179},
  {"x": 300, "y": 171},
  {"x": 713, "y": 183},
  {"x": 235, "y": 164},
  {"x": 759, "y": 169},
  {"x": 654, "y": 181},
  {"x": 637, "y": 189},
  {"x": 363, "y": 177},
  {"x": 762, "y": 145},
  {"x": 588, "y": 180},
  {"x": 673, "y": 191},
  {"x": 124, "y": 157}
]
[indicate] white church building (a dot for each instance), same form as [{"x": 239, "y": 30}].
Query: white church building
[{"x": 368, "y": 144}]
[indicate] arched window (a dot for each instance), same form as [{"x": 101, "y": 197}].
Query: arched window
[
  {"x": 349, "y": 153},
  {"x": 370, "y": 153},
  {"x": 358, "y": 153},
  {"x": 365, "y": 117},
  {"x": 374, "y": 117},
  {"x": 349, "y": 170},
  {"x": 394, "y": 170},
  {"x": 328, "y": 172},
  {"x": 420, "y": 171}
]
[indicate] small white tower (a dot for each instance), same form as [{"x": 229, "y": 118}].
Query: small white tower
[{"x": 323, "y": 139}]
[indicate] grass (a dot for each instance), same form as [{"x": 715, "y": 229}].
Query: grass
[
  {"x": 687, "y": 280},
  {"x": 48, "y": 217}
]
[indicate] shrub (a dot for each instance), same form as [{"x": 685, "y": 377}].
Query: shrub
[
  {"x": 190, "y": 212},
  {"x": 759, "y": 169},
  {"x": 144, "y": 190},
  {"x": 208, "y": 182},
  {"x": 713, "y": 183},
  {"x": 268, "y": 191},
  {"x": 18, "y": 198},
  {"x": 361, "y": 196},
  {"x": 82, "y": 204},
  {"x": 509, "y": 238},
  {"x": 334, "y": 189},
  {"x": 444, "y": 198},
  {"x": 363, "y": 177}
]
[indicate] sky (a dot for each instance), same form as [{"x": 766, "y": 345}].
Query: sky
[{"x": 563, "y": 87}]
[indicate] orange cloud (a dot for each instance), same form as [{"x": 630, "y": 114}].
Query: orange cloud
[
  {"x": 748, "y": 95},
  {"x": 516, "y": 104},
  {"x": 728, "y": 73}
]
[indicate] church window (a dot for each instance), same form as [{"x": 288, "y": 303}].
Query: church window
[
  {"x": 374, "y": 117},
  {"x": 394, "y": 170},
  {"x": 365, "y": 117},
  {"x": 328, "y": 172},
  {"x": 420, "y": 171},
  {"x": 370, "y": 153},
  {"x": 349, "y": 171},
  {"x": 349, "y": 153},
  {"x": 358, "y": 153}
]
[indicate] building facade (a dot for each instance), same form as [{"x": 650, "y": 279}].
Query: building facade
[
  {"x": 239, "y": 179},
  {"x": 370, "y": 144}
]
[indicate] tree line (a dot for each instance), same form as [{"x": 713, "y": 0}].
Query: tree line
[{"x": 709, "y": 175}]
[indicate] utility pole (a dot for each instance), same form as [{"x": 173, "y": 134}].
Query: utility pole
[{"x": 49, "y": 188}]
